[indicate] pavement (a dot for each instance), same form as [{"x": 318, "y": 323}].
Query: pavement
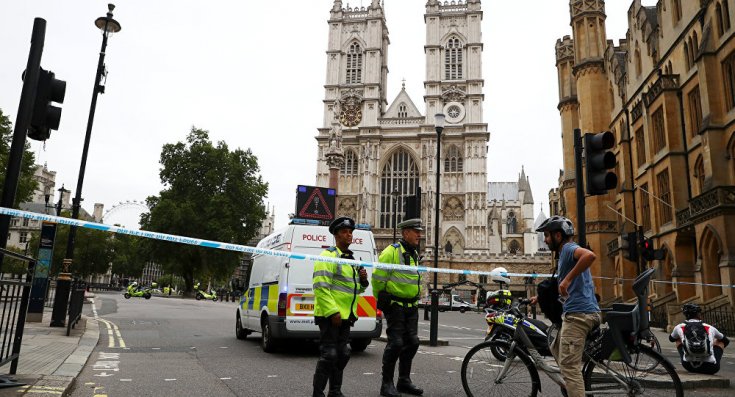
[{"x": 50, "y": 361}]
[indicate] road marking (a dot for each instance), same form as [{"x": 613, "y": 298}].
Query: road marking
[
  {"x": 272, "y": 376},
  {"x": 42, "y": 391},
  {"x": 170, "y": 379},
  {"x": 225, "y": 378},
  {"x": 110, "y": 338},
  {"x": 126, "y": 380},
  {"x": 223, "y": 347},
  {"x": 94, "y": 309},
  {"x": 368, "y": 373},
  {"x": 155, "y": 348},
  {"x": 451, "y": 372}
]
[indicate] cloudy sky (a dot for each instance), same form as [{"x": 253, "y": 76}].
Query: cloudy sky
[{"x": 252, "y": 73}]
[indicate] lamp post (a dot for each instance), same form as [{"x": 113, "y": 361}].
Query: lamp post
[
  {"x": 108, "y": 26},
  {"x": 394, "y": 194},
  {"x": 434, "y": 325}
]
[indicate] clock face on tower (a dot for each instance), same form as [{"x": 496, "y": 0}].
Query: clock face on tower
[{"x": 351, "y": 115}]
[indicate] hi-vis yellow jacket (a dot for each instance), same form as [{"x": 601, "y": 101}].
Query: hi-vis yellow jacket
[
  {"x": 335, "y": 287},
  {"x": 405, "y": 284}
]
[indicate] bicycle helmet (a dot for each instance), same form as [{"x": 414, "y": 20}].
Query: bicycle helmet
[
  {"x": 557, "y": 223},
  {"x": 691, "y": 310}
]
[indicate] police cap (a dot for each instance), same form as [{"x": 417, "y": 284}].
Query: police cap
[
  {"x": 341, "y": 223},
  {"x": 411, "y": 224}
]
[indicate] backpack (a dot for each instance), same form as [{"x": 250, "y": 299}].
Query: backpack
[
  {"x": 696, "y": 341},
  {"x": 548, "y": 299}
]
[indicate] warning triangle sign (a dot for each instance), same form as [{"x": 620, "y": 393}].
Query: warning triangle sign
[{"x": 316, "y": 207}]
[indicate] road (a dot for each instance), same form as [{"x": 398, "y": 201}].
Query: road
[{"x": 186, "y": 347}]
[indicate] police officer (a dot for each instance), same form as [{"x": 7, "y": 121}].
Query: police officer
[
  {"x": 335, "y": 308},
  {"x": 398, "y": 292}
]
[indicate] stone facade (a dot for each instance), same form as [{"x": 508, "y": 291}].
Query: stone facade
[
  {"x": 667, "y": 92},
  {"x": 377, "y": 154}
]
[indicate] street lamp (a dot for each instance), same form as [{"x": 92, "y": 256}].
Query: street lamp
[
  {"x": 394, "y": 194},
  {"x": 434, "y": 326},
  {"x": 108, "y": 26}
]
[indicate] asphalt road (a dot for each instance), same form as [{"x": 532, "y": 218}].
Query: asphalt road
[{"x": 185, "y": 347}]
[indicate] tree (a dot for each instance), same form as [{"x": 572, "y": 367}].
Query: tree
[
  {"x": 93, "y": 250},
  {"x": 26, "y": 182},
  {"x": 210, "y": 193},
  {"x": 128, "y": 258}
]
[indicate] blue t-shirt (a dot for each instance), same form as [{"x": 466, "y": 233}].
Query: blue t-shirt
[{"x": 581, "y": 291}]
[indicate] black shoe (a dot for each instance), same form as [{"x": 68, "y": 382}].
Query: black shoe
[
  {"x": 335, "y": 394},
  {"x": 405, "y": 385},
  {"x": 388, "y": 390}
]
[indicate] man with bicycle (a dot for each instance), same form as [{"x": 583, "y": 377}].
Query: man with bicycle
[{"x": 581, "y": 312}]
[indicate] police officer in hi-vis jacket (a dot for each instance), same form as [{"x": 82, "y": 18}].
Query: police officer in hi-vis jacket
[
  {"x": 336, "y": 288},
  {"x": 398, "y": 293}
]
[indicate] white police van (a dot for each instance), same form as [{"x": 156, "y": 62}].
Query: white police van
[{"x": 279, "y": 301}]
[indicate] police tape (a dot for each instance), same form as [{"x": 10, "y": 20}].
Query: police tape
[
  {"x": 239, "y": 248},
  {"x": 287, "y": 254}
]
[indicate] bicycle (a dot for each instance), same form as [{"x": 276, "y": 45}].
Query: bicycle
[{"x": 616, "y": 360}]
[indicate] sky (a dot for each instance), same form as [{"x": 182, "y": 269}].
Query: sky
[{"x": 252, "y": 74}]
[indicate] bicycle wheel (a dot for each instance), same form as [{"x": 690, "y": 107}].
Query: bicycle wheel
[
  {"x": 650, "y": 374},
  {"x": 481, "y": 370}
]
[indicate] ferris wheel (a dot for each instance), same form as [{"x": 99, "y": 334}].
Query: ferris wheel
[{"x": 126, "y": 214}]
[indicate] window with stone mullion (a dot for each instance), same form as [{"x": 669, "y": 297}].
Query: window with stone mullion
[
  {"x": 659, "y": 130},
  {"x": 400, "y": 173},
  {"x": 453, "y": 59},
  {"x": 664, "y": 192},
  {"x": 354, "y": 64},
  {"x": 728, "y": 70}
]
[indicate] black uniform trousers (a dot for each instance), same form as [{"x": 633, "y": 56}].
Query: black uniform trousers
[
  {"x": 403, "y": 340},
  {"x": 334, "y": 353}
]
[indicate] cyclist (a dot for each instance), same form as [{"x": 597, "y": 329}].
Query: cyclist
[
  {"x": 581, "y": 312},
  {"x": 700, "y": 345}
]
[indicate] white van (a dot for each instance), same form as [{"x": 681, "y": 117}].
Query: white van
[{"x": 279, "y": 301}]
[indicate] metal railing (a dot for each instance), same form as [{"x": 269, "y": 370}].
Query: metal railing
[
  {"x": 14, "y": 297},
  {"x": 722, "y": 318},
  {"x": 76, "y": 302},
  {"x": 658, "y": 317}
]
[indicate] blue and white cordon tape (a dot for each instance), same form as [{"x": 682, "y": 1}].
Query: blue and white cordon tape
[
  {"x": 241, "y": 248},
  {"x": 286, "y": 254}
]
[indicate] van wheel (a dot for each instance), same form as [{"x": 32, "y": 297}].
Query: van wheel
[
  {"x": 240, "y": 332},
  {"x": 267, "y": 343},
  {"x": 360, "y": 344},
  {"x": 462, "y": 309}
]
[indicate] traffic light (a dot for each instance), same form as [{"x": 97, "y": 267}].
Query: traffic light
[
  {"x": 598, "y": 161},
  {"x": 647, "y": 250},
  {"x": 629, "y": 246},
  {"x": 46, "y": 116}
]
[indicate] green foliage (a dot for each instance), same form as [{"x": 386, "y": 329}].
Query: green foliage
[
  {"x": 210, "y": 193},
  {"x": 128, "y": 257},
  {"x": 15, "y": 267},
  {"x": 93, "y": 250},
  {"x": 26, "y": 183}
]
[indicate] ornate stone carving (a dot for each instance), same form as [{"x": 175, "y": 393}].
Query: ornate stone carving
[
  {"x": 579, "y": 7},
  {"x": 637, "y": 111},
  {"x": 347, "y": 207},
  {"x": 564, "y": 49},
  {"x": 588, "y": 67},
  {"x": 666, "y": 82},
  {"x": 602, "y": 227},
  {"x": 453, "y": 94}
]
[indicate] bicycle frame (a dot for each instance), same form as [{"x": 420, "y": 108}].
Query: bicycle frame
[{"x": 553, "y": 372}]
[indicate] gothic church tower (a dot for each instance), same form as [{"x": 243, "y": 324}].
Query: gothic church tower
[{"x": 377, "y": 155}]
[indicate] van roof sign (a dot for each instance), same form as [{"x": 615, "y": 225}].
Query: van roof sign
[{"x": 314, "y": 202}]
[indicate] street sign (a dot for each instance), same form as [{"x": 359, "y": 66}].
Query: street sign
[{"x": 315, "y": 203}]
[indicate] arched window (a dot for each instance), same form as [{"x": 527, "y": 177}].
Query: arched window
[
  {"x": 511, "y": 223},
  {"x": 726, "y": 14},
  {"x": 514, "y": 247},
  {"x": 695, "y": 46},
  {"x": 354, "y": 64},
  {"x": 699, "y": 173},
  {"x": 691, "y": 53},
  {"x": 676, "y": 8},
  {"x": 349, "y": 167},
  {"x": 453, "y": 59},
  {"x": 402, "y": 174},
  {"x": 638, "y": 62},
  {"x": 453, "y": 161},
  {"x": 402, "y": 110},
  {"x": 720, "y": 20},
  {"x": 687, "y": 57}
]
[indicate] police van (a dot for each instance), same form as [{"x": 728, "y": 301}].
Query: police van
[{"x": 279, "y": 300}]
